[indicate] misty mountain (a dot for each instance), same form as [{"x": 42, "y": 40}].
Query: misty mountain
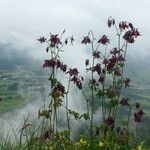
[{"x": 10, "y": 57}]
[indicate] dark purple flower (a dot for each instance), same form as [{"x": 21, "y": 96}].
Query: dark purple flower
[
  {"x": 120, "y": 58},
  {"x": 109, "y": 122},
  {"x": 42, "y": 39},
  {"x": 59, "y": 88},
  {"x": 101, "y": 78},
  {"x": 96, "y": 54},
  {"x": 123, "y": 25},
  {"x": 97, "y": 69},
  {"x": 141, "y": 113},
  {"x": 66, "y": 41},
  {"x": 46, "y": 136},
  {"x": 79, "y": 84},
  {"x": 77, "y": 81},
  {"x": 135, "y": 33},
  {"x": 86, "y": 40},
  {"x": 105, "y": 61},
  {"x": 73, "y": 72},
  {"x": 131, "y": 26},
  {"x": 137, "y": 117},
  {"x": 110, "y": 22},
  {"x": 74, "y": 79},
  {"x": 117, "y": 72},
  {"x": 55, "y": 41},
  {"x": 63, "y": 67},
  {"x": 87, "y": 62},
  {"x": 128, "y": 37},
  {"x": 49, "y": 63},
  {"x": 110, "y": 66},
  {"x": 47, "y": 49},
  {"x": 72, "y": 39},
  {"x": 124, "y": 102},
  {"x": 114, "y": 51},
  {"x": 103, "y": 71},
  {"x": 103, "y": 40},
  {"x": 58, "y": 63},
  {"x": 113, "y": 59}
]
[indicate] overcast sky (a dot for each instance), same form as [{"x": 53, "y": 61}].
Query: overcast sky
[{"x": 22, "y": 21}]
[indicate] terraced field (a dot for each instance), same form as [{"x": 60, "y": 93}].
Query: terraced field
[{"x": 18, "y": 87}]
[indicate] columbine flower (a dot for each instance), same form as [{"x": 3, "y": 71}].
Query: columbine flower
[
  {"x": 72, "y": 39},
  {"x": 123, "y": 25},
  {"x": 86, "y": 40},
  {"x": 141, "y": 113},
  {"x": 103, "y": 40},
  {"x": 131, "y": 26},
  {"x": 128, "y": 37},
  {"x": 60, "y": 65},
  {"x": 55, "y": 41},
  {"x": 79, "y": 84},
  {"x": 135, "y": 33},
  {"x": 110, "y": 22},
  {"x": 124, "y": 102},
  {"x": 58, "y": 89},
  {"x": 87, "y": 62},
  {"x": 138, "y": 116},
  {"x": 96, "y": 54},
  {"x": 42, "y": 39},
  {"x": 110, "y": 65},
  {"x": 63, "y": 67},
  {"x": 120, "y": 58},
  {"x": 49, "y": 63},
  {"x": 77, "y": 81},
  {"x": 114, "y": 51},
  {"x": 66, "y": 41},
  {"x": 109, "y": 122},
  {"x": 105, "y": 61},
  {"x": 73, "y": 72},
  {"x": 97, "y": 69},
  {"x": 101, "y": 78},
  {"x": 46, "y": 136}
]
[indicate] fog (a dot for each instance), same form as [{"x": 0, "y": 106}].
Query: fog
[{"x": 23, "y": 21}]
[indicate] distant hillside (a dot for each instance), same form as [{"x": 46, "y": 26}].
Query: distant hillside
[{"x": 11, "y": 57}]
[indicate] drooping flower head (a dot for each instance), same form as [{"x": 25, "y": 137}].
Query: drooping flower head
[
  {"x": 86, "y": 40},
  {"x": 103, "y": 40}
]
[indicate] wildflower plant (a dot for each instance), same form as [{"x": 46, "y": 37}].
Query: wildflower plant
[
  {"x": 107, "y": 76},
  {"x": 58, "y": 92},
  {"x": 106, "y": 69}
]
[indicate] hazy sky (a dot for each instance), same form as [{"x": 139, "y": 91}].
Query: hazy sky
[{"x": 22, "y": 21}]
